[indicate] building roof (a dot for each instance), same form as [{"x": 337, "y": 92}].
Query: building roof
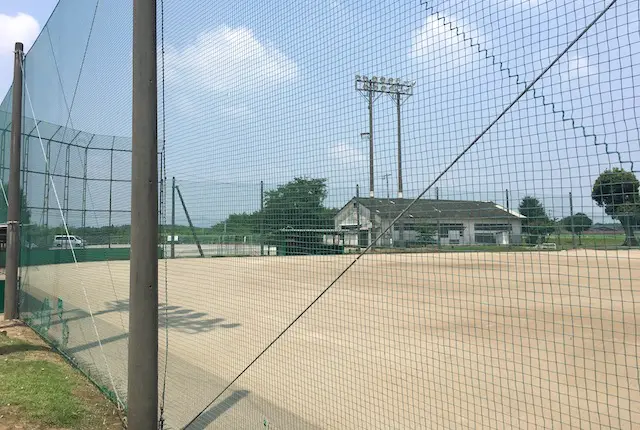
[
  {"x": 311, "y": 230},
  {"x": 437, "y": 209}
]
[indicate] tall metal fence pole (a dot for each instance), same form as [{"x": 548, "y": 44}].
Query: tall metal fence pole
[
  {"x": 47, "y": 186},
  {"x": 571, "y": 220},
  {"x": 358, "y": 244},
  {"x": 84, "y": 188},
  {"x": 25, "y": 154},
  {"x": 438, "y": 220},
  {"x": 191, "y": 226},
  {"x": 2, "y": 152},
  {"x": 67, "y": 176},
  {"x": 173, "y": 217},
  {"x": 262, "y": 219},
  {"x": 143, "y": 309},
  {"x": 398, "y": 105},
  {"x": 113, "y": 142},
  {"x": 13, "y": 212},
  {"x": 371, "y": 180}
]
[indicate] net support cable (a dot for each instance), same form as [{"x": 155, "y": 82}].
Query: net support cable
[
  {"x": 66, "y": 228},
  {"x": 75, "y": 90},
  {"x": 163, "y": 217},
  {"x": 69, "y": 121}
]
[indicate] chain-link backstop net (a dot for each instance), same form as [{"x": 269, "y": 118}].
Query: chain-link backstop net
[
  {"x": 407, "y": 214},
  {"x": 76, "y": 188}
]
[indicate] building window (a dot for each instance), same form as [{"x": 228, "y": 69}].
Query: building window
[
  {"x": 442, "y": 228},
  {"x": 446, "y": 227},
  {"x": 485, "y": 238},
  {"x": 493, "y": 227}
]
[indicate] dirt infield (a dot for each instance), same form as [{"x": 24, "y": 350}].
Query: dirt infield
[{"x": 451, "y": 340}]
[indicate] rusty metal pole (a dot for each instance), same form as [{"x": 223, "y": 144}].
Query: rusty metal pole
[
  {"x": 13, "y": 211},
  {"x": 143, "y": 289}
]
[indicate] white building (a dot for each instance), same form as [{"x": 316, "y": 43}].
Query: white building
[{"x": 452, "y": 222}]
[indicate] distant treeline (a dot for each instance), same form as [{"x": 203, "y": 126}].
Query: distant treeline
[
  {"x": 296, "y": 205},
  {"x": 43, "y": 236}
]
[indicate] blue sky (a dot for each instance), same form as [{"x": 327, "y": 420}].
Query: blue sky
[
  {"x": 21, "y": 22},
  {"x": 264, "y": 91}
]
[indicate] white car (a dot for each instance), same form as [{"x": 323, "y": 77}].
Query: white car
[{"x": 64, "y": 241}]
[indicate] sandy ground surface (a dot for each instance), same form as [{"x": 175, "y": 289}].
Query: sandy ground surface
[{"x": 464, "y": 340}]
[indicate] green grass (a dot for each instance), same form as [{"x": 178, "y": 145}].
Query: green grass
[
  {"x": 17, "y": 348},
  {"x": 482, "y": 248},
  {"x": 7, "y": 344},
  {"x": 43, "y": 392},
  {"x": 593, "y": 241}
]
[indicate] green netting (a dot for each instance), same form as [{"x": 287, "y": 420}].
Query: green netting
[
  {"x": 406, "y": 214},
  {"x": 75, "y": 180}
]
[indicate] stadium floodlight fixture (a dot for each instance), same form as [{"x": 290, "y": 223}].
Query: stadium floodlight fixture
[
  {"x": 383, "y": 84},
  {"x": 399, "y": 90}
]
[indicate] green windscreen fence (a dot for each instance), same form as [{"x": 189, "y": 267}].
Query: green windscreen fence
[
  {"x": 42, "y": 257},
  {"x": 391, "y": 215}
]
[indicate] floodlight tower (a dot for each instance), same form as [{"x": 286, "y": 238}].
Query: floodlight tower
[
  {"x": 400, "y": 90},
  {"x": 397, "y": 89},
  {"x": 364, "y": 85}
]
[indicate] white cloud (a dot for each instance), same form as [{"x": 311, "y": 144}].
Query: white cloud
[
  {"x": 347, "y": 154},
  {"x": 229, "y": 59},
  {"x": 524, "y": 3},
  {"x": 440, "y": 42},
  {"x": 20, "y": 28},
  {"x": 578, "y": 68},
  {"x": 236, "y": 110}
]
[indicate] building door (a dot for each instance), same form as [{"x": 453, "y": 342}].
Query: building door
[
  {"x": 454, "y": 237},
  {"x": 363, "y": 238}
]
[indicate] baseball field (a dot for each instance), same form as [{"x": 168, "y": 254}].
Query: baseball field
[{"x": 439, "y": 340}]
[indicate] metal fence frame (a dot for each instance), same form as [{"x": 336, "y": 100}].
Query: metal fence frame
[{"x": 58, "y": 137}]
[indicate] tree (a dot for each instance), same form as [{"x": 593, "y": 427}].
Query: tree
[
  {"x": 297, "y": 205},
  {"x": 577, "y": 224},
  {"x": 244, "y": 224},
  {"x": 25, "y": 213},
  {"x": 617, "y": 191},
  {"x": 427, "y": 233},
  {"x": 537, "y": 224}
]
